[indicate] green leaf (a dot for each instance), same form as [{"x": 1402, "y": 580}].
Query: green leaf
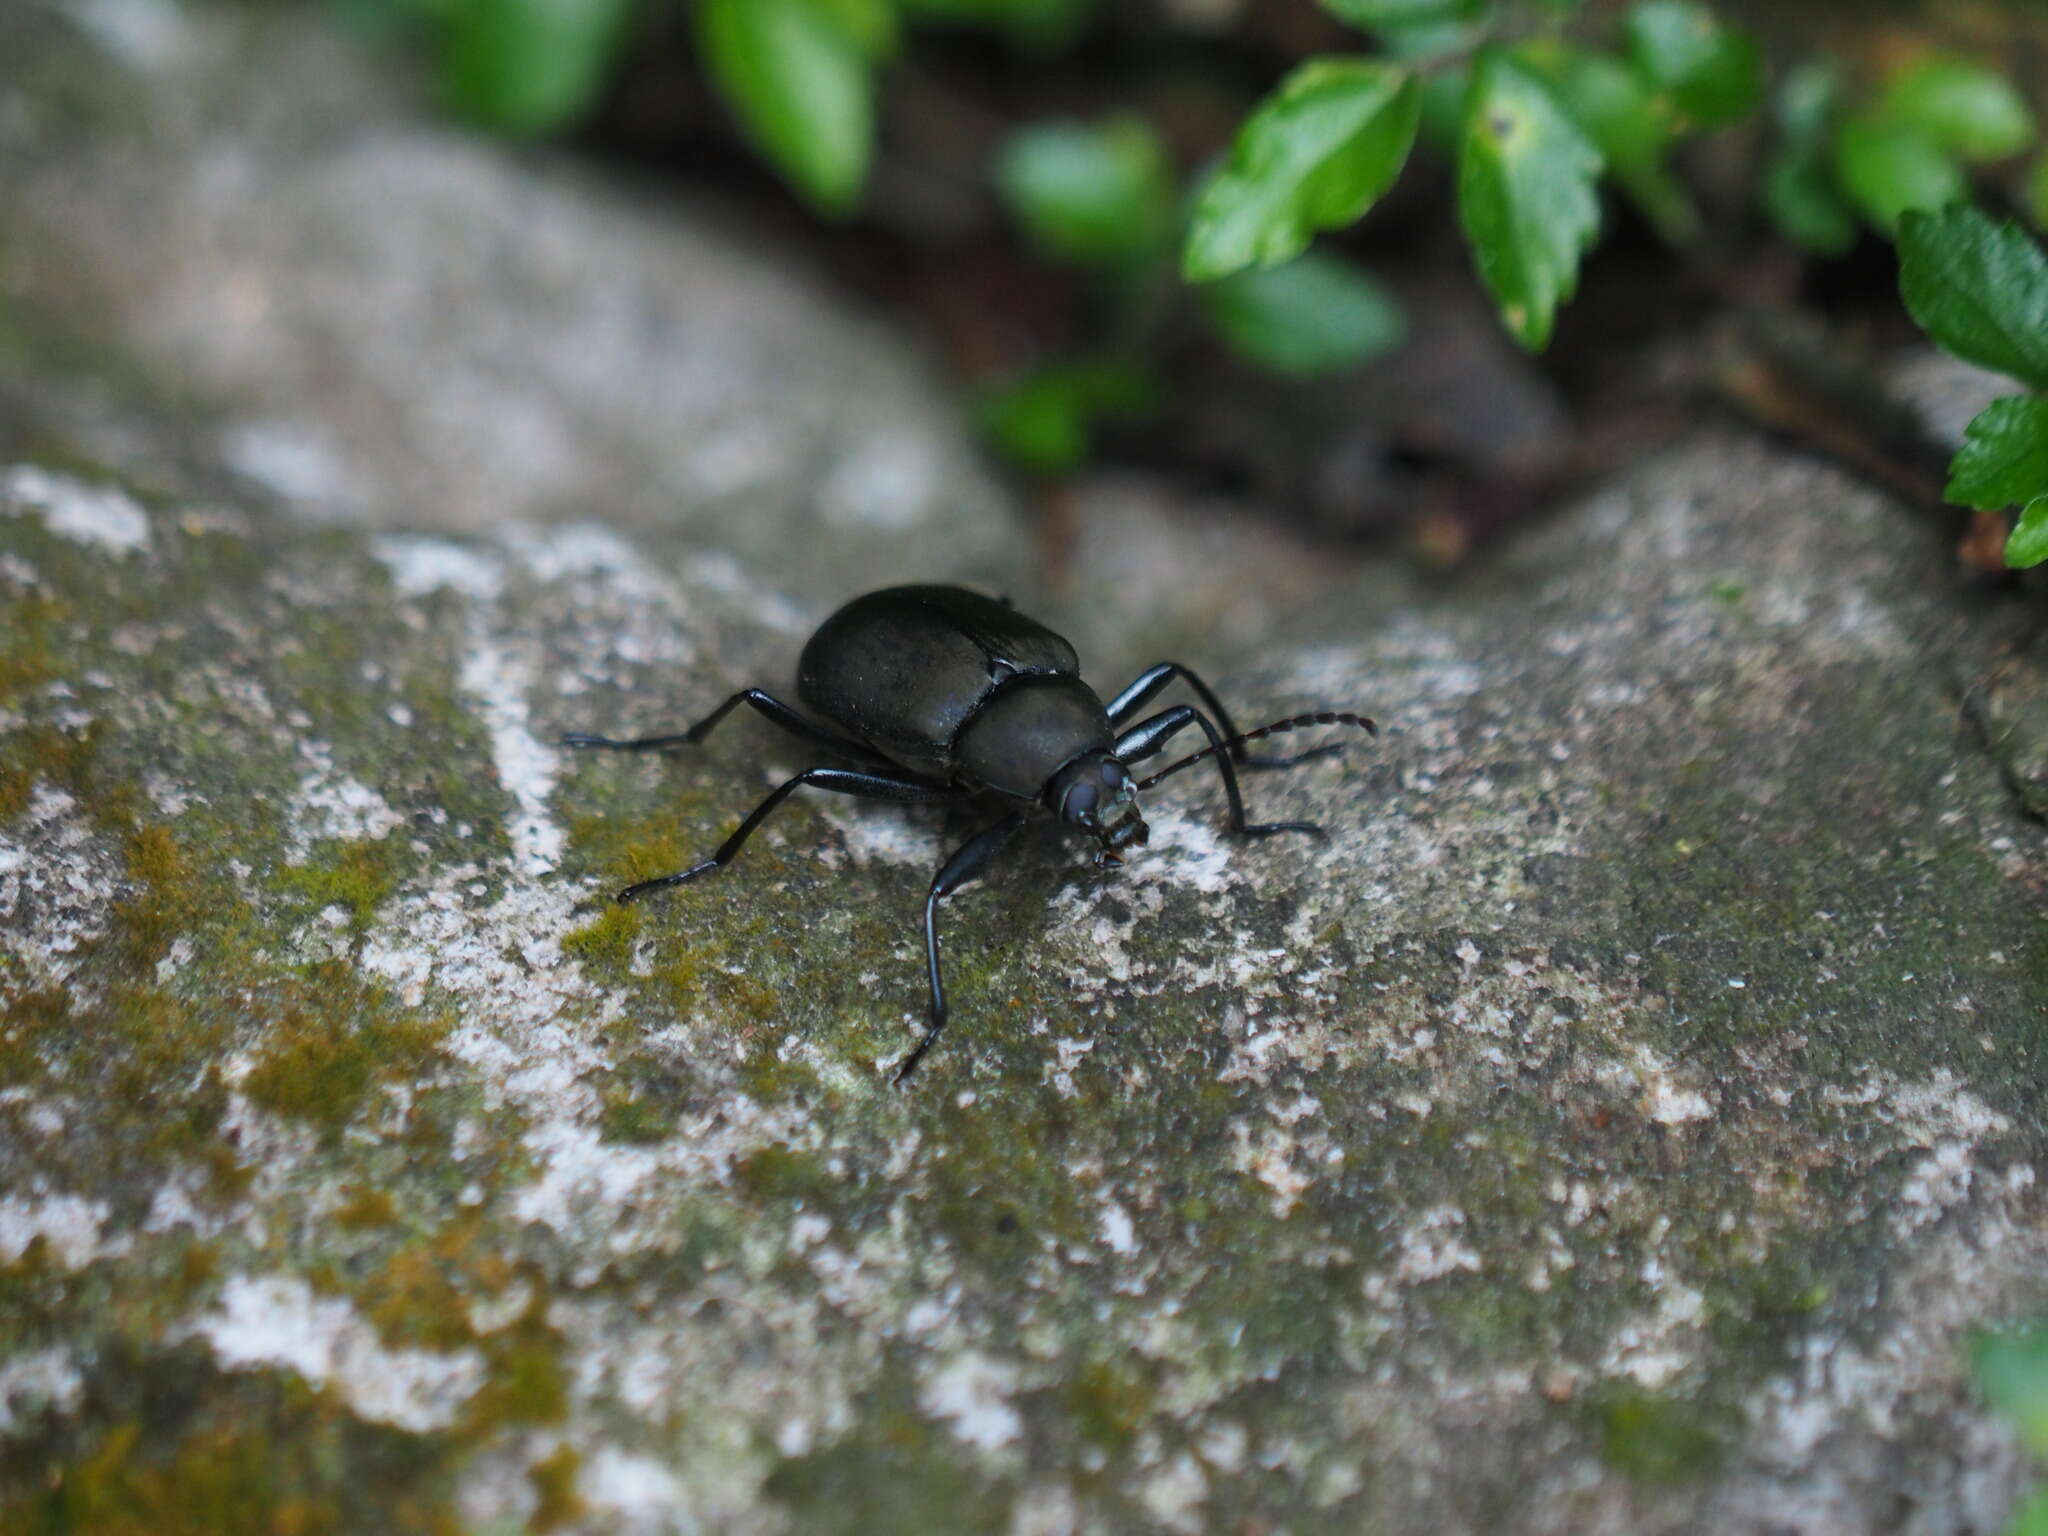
[
  {"x": 1043, "y": 421},
  {"x": 1443, "y": 107},
  {"x": 2012, "y": 1370},
  {"x": 1889, "y": 168},
  {"x": 1806, "y": 103},
  {"x": 2031, "y": 1518},
  {"x": 1374, "y": 14},
  {"x": 1525, "y": 196},
  {"x": 1036, "y": 24},
  {"x": 1798, "y": 189},
  {"x": 2027, "y": 547},
  {"x": 1317, "y": 314},
  {"x": 1801, "y": 199},
  {"x": 1713, "y": 74},
  {"x": 801, "y": 83},
  {"x": 2037, "y": 193},
  {"x": 1979, "y": 288},
  {"x": 528, "y": 67},
  {"x": 1616, "y": 110},
  {"x": 1315, "y": 155},
  {"x": 2004, "y": 458},
  {"x": 1968, "y": 110},
  {"x": 1098, "y": 194},
  {"x": 1425, "y": 41}
]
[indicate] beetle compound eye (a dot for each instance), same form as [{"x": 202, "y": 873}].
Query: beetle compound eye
[{"x": 1079, "y": 805}]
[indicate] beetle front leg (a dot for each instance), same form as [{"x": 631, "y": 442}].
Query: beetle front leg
[
  {"x": 968, "y": 862},
  {"x": 1152, "y": 682},
  {"x": 1148, "y": 737}
]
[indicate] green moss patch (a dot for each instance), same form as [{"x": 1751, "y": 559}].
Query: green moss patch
[
  {"x": 165, "y": 1445},
  {"x": 330, "y": 1040},
  {"x": 356, "y": 874}
]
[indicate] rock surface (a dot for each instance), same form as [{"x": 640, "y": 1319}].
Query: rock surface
[{"x": 1615, "y": 1127}]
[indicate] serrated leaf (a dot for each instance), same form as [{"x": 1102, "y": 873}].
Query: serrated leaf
[
  {"x": 2027, "y": 547},
  {"x": 1889, "y": 168},
  {"x": 1094, "y": 193},
  {"x": 1526, "y": 178},
  {"x": 527, "y": 67},
  {"x": 1979, "y": 288},
  {"x": 2004, "y": 458},
  {"x": 1967, "y": 109},
  {"x": 801, "y": 84},
  {"x": 1617, "y": 110},
  {"x": 1714, "y": 74},
  {"x": 1318, "y": 153},
  {"x": 1317, "y": 314},
  {"x": 1374, "y": 14}
]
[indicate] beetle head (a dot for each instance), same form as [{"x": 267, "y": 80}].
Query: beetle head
[{"x": 1094, "y": 793}]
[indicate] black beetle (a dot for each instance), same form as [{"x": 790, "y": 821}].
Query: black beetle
[{"x": 941, "y": 694}]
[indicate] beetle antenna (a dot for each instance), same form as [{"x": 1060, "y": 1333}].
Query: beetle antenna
[{"x": 1291, "y": 723}]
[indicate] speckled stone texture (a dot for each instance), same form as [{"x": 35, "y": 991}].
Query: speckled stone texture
[{"x": 1616, "y": 1127}]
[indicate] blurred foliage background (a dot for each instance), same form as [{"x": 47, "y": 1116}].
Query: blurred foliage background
[{"x": 1403, "y": 269}]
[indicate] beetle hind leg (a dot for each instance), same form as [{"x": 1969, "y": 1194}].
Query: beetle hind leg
[
  {"x": 844, "y": 781},
  {"x": 762, "y": 703}
]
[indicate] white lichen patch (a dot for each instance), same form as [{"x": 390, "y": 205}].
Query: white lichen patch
[
  {"x": 104, "y": 517},
  {"x": 38, "y": 1382},
  {"x": 1275, "y": 1156},
  {"x": 332, "y": 804},
  {"x": 1666, "y": 1096},
  {"x": 1175, "y": 1494},
  {"x": 1654, "y": 1349},
  {"x": 296, "y": 461},
  {"x": 1944, "y": 1121},
  {"x": 279, "y": 1321},
  {"x": 1434, "y": 1245},
  {"x": 498, "y": 676},
  {"x": 419, "y": 566},
  {"x": 55, "y": 898},
  {"x": 633, "y": 1493},
  {"x": 69, "y": 1225},
  {"x": 971, "y": 1391}
]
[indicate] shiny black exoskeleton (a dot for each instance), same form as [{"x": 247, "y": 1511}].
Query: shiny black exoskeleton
[{"x": 941, "y": 694}]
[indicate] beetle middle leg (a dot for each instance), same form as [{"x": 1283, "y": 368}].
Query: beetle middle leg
[
  {"x": 1153, "y": 681},
  {"x": 1149, "y": 737},
  {"x": 969, "y": 862},
  {"x": 758, "y": 699},
  {"x": 844, "y": 781}
]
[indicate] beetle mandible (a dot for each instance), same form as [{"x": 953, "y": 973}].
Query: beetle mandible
[{"x": 939, "y": 695}]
